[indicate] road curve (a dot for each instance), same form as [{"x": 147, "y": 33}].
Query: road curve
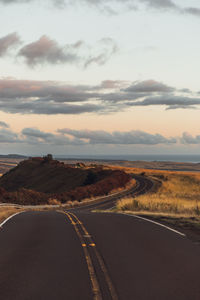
[
  {"x": 143, "y": 185},
  {"x": 79, "y": 255}
]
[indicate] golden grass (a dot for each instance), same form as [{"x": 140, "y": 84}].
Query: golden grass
[
  {"x": 179, "y": 194},
  {"x": 6, "y": 212},
  {"x": 53, "y": 201}
]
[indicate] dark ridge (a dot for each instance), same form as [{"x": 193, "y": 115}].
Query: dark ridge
[{"x": 39, "y": 179}]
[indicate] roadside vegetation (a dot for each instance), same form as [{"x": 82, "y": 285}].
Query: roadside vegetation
[
  {"x": 178, "y": 194},
  {"x": 176, "y": 201},
  {"x": 6, "y": 212},
  {"x": 71, "y": 204}
]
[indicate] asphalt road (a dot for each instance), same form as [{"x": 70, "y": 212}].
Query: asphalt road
[
  {"x": 143, "y": 185},
  {"x": 81, "y": 255}
]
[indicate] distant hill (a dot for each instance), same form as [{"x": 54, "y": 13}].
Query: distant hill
[
  {"x": 36, "y": 180},
  {"x": 17, "y": 156}
]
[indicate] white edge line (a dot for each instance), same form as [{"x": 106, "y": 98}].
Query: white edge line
[
  {"x": 156, "y": 223},
  {"x": 5, "y": 221}
]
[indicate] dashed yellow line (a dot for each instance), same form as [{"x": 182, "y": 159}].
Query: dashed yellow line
[
  {"x": 94, "y": 282},
  {"x": 100, "y": 260}
]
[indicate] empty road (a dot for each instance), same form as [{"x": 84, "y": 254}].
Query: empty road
[{"x": 80, "y": 255}]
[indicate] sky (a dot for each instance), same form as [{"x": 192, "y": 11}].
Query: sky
[{"x": 91, "y": 77}]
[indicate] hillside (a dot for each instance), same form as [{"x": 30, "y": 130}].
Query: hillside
[
  {"x": 43, "y": 176},
  {"x": 37, "y": 180}
]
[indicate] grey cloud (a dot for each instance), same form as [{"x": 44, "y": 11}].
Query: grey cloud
[
  {"x": 46, "y": 50},
  {"x": 8, "y": 42},
  {"x": 171, "y": 107},
  {"x": 187, "y": 91},
  {"x": 14, "y": 1},
  {"x": 109, "y": 48},
  {"x": 71, "y": 137},
  {"x": 8, "y": 136},
  {"x": 138, "y": 89},
  {"x": 28, "y": 1},
  {"x": 112, "y": 84},
  {"x": 109, "y": 6},
  {"x": 189, "y": 139},
  {"x": 160, "y": 4},
  {"x": 48, "y": 108},
  {"x": 171, "y": 101},
  {"x": 149, "y": 86},
  {"x": 4, "y": 125},
  {"x": 34, "y": 135},
  {"x": 48, "y": 97},
  {"x": 120, "y": 138},
  {"x": 121, "y": 97},
  {"x": 192, "y": 11},
  {"x": 38, "y": 97},
  {"x": 48, "y": 90}
]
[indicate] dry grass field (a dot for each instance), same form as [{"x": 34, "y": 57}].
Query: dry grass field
[
  {"x": 176, "y": 202},
  {"x": 6, "y": 212},
  {"x": 178, "y": 194}
]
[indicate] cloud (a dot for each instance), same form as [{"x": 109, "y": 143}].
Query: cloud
[
  {"x": 14, "y": 1},
  {"x": 160, "y": 4},
  {"x": 116, "y": 6},
  {"x": 43, "y": 97},
  {"x": 46, "y": 108},
  {"x": 8, "y": 42},
  {"x": 109, "y": 49},
  {"x": 192, "y": 11},
  {"x": 47, "y": 50},
  {"x": 171, "y": 101},
  {"x": 149, "y": 86},
  {"x": 36, "y": 136},
  {"x": 112, "y": 84},
  {"x": 7, "y": 136},
  {"x": 118, "y": 138},
  {"x": 46, "y": 90},
  {"x": 189, "y": 139},
  {"x": 120, "y": 97},
  {"x": 69, "y": 137},
  {"x": 4, "y": 125},
  {"x": 50, "y": 97}
]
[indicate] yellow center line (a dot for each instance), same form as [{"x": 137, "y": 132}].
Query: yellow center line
[
  {"x": 101, "y": 262},
  {"x": 95, "y": 285}
]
